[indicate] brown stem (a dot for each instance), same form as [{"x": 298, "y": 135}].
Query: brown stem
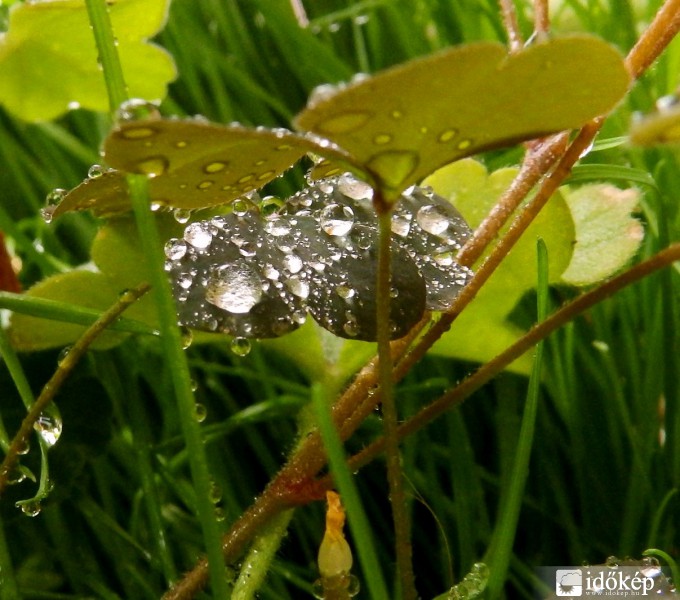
[
  {"x": 515, "y": 41},
  {"x": 541, "y": 18},
  {"x": 65, "y": 368},
  {"x": 360, "y": 398},
  {"x": 539, "y": 332}
]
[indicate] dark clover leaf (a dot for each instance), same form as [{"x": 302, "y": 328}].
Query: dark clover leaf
[{"x": 254, "y": 276}]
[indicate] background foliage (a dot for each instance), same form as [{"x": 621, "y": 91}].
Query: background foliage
[{"x": 119, "y": 521}]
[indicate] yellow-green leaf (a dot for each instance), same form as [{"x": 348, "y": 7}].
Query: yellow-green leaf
[
  {"x": 483, "y": 330},
  {"x": 83, "y": 288},
  {"x": 607, "y": 236},
  {"x": 403, "y": 123},
  {"x": 48, "y": 59}
]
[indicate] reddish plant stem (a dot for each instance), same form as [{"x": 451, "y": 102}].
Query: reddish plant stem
[
  {"x": 515, "y": 40},
  {"x": 486, "y": 372},
  {"x": 360, "y": 398},
  {"x": 541, "y": 19}
]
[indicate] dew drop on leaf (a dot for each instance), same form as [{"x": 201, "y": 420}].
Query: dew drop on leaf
[
  {"x": 31, "y": 508},
  {"x": 235, "y": 287},
  {"x": 137, "y": 109}
]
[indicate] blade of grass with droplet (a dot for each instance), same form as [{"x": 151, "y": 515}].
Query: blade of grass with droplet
[{"x": 405, "y": 122}]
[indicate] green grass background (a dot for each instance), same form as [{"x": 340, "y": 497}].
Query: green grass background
[{"x": 119, "y": 522}]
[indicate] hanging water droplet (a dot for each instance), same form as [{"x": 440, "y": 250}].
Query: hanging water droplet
[
  {"x": 240, "y": 346},
  {"x": 182, "y": 215},
  {"x": 432, "y": 219},
  {"x": 136, "y": 109},
  {"x": 200, "y": 412},
  {"x": 52, "y": 200},
  {"x": 215, "y": 493},
  {"x": 269, "y": 205},
  {"x": 31, "y": 508},
  {"x": 336, "y": 219},
  {"x": 234, "y": 287},
  {"x": 24, "y": 448},
  {"x": 49, "y": 427},
  {"x": 175, "y": 249},
  {"x": 187, "y": 337},
  {"x": 351, "y": 326},
  {"x": 240, "y": 207}
]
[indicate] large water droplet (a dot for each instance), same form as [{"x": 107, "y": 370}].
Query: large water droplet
[
  {"x": 200, "y": 412},
  {"x": 198, "y": 235},
  {"x": 293, "y": 263},
  {"x": 182, "y": 215},
  {"x": 277, "y": 226},
  {"x": 432, "y": 219},
  {"x": 95, "y": 172},
  {"x": 49, "y": 427},
  {"x": 175, "y": 248},
  {"x": 298, "y": 286},
  {"x": 336, "y": 219},
  {"x": 234, "y": 287}
]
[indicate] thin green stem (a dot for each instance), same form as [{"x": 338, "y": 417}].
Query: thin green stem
[
  {"x": 108, "y": 54},
  {"x": 500, "y": 549},
  {"x": 395, "y": 480},
  {"x": 178, "y": 369},
  {"x": 65, "y": 368},
  {"x": 342, "y": 478}
]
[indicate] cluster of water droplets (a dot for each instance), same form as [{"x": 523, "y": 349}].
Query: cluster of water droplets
[
  {"x": 472, "y": 585},
  {"x": 258, "y": 271}
]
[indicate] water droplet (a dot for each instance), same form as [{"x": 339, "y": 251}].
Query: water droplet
[
  {"x": 234, "y": 287},
  {"x": 182, "y": 215},
  {"x": 187, "y": 337},
  {"x": 351, "y": 326},
  {"x": 269, "y": 206},
  {"x": 298, "y": 286},
  {"x": 354, "y": 188},
  {"x": 401, "y": 224},
  {"x": 49, "y": 426},
  {"x": 432, "y": 219},
  {"x": 382, "y": 138},
  {"x": 336, "y": 219},
  {"x": 95, "y": 171},
  {"x": 200, "y": 412},
  {"x": 63, "y": 353},
  {"x": 444, "y": 259},
  {"x": 346, "y": 293},
  {"x": 341, "y": 123},
  {"x": 277, "y": 226},
  {"x": 137, "y": 108},
  {"x": 31, "y": 508},
  {"x": 240, "y": 346},
  {"x": 447, "y": 135},
  {"x": 52, "y": 200},
  {"x": 198, "y": 235},
  {"x": 464, "y": 144},
  {"x": 175, "y": 249},
  {"x": 215, "y": 493},
  {"x": 240, "y": 207},
  {"x": 215, "y": 167},
  {"x": 24, "y": 448},
  {"x": 293, "y": 263}
]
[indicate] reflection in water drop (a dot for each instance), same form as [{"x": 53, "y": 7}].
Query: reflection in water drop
[
  {"x": 240, "y": 346},
  {"x": 30, "y": 509},
  {"x": 336, "y": 219},
  {"x": 49, "y": 427},
  {"x": 432, "y": 219},
  {"x": 137, "y": 108},
  {"x": 234, "y": 287}
]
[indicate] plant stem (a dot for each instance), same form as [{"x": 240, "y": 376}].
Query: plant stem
[
  {"x": 108, "y": 54},
  {"x": 178, "y": 369},
  {"x": 395, "y": 480},
  {"x": 9, "y": 588},
  {"x": 60, "y": 375},
  {"x": 500, "y": 548},
  {"x": 342, "y": 478}
]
